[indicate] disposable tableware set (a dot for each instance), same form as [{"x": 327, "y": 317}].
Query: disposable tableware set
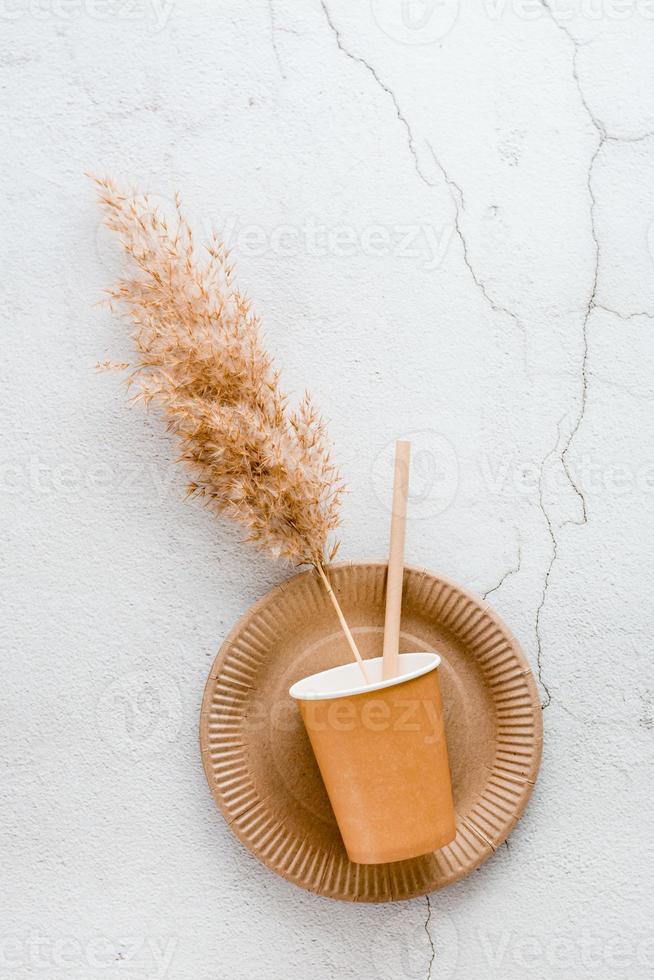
[{"x": 387, "y": 664}]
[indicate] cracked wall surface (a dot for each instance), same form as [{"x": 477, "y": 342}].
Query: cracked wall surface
[{"x": 445, "y": 215}]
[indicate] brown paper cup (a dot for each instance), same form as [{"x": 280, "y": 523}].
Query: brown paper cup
[{"x": 382, "y": 754}]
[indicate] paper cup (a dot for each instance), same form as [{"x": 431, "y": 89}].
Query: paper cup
[{"x": 382, "y": 754}]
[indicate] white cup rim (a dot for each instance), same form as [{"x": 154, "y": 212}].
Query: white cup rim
[{"x": 346, "y": 681}]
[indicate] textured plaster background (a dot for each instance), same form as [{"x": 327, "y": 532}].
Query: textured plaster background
[{"x": 444, "y": 212}]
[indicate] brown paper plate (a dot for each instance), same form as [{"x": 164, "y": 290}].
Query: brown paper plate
[{"x": 259, "y": 763}]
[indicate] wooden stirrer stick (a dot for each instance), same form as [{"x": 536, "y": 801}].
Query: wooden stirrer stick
[
  {"x": 341, "y": 618},
  {"x": 396, "y": 560}
]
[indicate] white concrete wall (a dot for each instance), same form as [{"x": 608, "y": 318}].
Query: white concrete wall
[{"x": 447, "y": 229}]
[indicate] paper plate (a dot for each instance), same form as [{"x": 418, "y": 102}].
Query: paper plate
[{"x": 259, "y": 763}]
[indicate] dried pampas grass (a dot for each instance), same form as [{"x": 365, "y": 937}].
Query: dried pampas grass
[{"x": 199, "y": 357}]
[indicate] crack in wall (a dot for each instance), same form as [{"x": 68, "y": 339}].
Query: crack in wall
[
  {"x": 546, "y": 582},
  {"x": 273, "y": 36},
  {"x": 621, "y": 315},
  {"x": 578, "y": 422},
  {"x": 431, "y": 941},
  {"x": 511, "y": 571},
  {"x": 603, "y": 137},
  {"x": 456, "y": 192},
  {"x": 591, "y": 301},
  {"x": 357, "y": 59},
  {"x": 629, "y": 139},
  {"x": 458, "y": 200},
  {"x": 598, "y": 125},
  {"x": 595, "y": 120}
]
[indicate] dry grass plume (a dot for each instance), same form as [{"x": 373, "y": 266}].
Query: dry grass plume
[{"x": 200, "y": 359}]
